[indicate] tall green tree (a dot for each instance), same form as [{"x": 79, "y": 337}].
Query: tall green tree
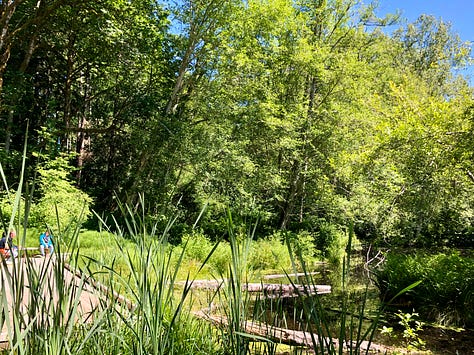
[
  {"x": 271, "y": 105},
  {"x": 93, "y": 84},
  {"x": 299, "y": 113},
  {"x": 23, "y": 25}
]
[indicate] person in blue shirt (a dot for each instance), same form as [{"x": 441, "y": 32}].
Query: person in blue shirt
[{"x": 46, "y": 241}]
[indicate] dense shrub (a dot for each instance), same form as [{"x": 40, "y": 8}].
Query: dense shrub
[
  {"x": 198, "y": 246},
  {"x": 220, "y": 259},
  {"x": 7, "y": 201},
  {"x": 269, "y": 254},
  {"x": 446, "y": 293},
  {"x": 60, "y": 202},
  {"x": 301, "y": 243},
  {"x": 332, "y": 241}
]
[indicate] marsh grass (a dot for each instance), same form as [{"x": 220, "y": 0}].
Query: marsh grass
[
  {"x": 40, "y": 309},
  {"x": 40, "y": 305},
  {"x": 350, "y": 330},
  {"x": 446, "y": 294},
  {"x": 236, "y": 303},
  {"x": 161, "y": 320}
]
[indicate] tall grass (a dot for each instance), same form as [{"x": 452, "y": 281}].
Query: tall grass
[
  {"x": 161, "y": 319},
  {"x": 43, "y": 312},
  {"x": 352, "y": 331},
  {"x": 39, "y": 304},
  {"x": 42, "y": 307},
  {"x": 235, "y": 301}
]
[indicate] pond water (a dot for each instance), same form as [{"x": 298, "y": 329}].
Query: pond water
[{"x": 351, "y": 309}]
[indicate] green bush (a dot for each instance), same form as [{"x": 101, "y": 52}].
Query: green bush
[
  {"x": 220, "y": 259},
  {"x": 326, "y": 236},
  {"x": 198, "y": 246},
  {"x": 331, "y": 241},
  {"x": 269, "y": 254},
  {"x": 265, "y": 254},
  {"x": 302, "y": 243},
  {"x": 446, "y": 293},
  {"x": 7, "y": 201},
  {"x": 95, "y": 240},
  {"x": 60, "y": 200}
]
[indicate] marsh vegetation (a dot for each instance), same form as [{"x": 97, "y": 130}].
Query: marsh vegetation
[{"x": 163, "y": 142}]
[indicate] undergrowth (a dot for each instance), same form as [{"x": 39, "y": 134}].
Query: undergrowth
[{"x": 446, "y": 292}]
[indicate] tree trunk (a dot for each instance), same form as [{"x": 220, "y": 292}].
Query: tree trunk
[
  {"x": 293, "y": 193},
  {"x": 7, "y": 10},
  {"x": 82, "y": 138}
]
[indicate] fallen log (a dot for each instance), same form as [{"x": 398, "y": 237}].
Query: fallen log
[
  {"x": 299, "y": 338},
  {"x": 283, "y": 276},
  {"x": 279, "y": 290},
  {"x": 269, "y": 290}
]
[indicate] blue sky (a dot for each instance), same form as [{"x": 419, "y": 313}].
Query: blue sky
[{"x": 460, "y": 13}]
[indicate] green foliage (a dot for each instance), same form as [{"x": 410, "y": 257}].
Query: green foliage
[
  {"x": 301, "y": 243},
  {"x": 356, "y": 321},
  {"x": 290, "y": 112},
  {"x": 197, "y": 247},
  {"x": 412, "y": 189},
  {"x": 264, "y": 253},
  {"x": 411, "y": 327},
  {"x": 234, "y": 299},
  {"x": 331, "y": 241},
  {"x": 160, "y": 322},
  {"x": 430, "y": 48},
  {"x": 446, "y": 293},
  {"x": 286, "y": 111},
  {"x": 7, "y": 201},
  {"x": 60, "y": 202},
  {"x": 269, "y": 254}
]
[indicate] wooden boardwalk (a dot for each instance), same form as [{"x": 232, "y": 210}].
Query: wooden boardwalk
[
  {"x": 90, "y": 295},
  {"x": 43, "y": 272}
]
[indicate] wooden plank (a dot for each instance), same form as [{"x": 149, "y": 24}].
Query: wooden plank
[
  {"x": 104, "y": 290},
  {"x": 89, "y": 298},
  {"x": 286, "y": 290},
  {"x": 270, "y": 290},
  {"x": 299, "y": 338},
  {"x": 285, "y": 276}
]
